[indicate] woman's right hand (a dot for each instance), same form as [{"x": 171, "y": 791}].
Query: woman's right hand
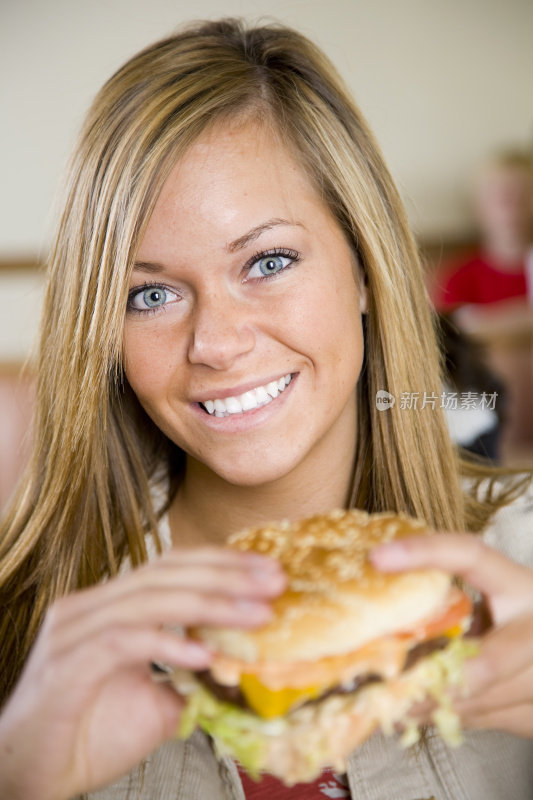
[{"x": 86, "y": 708}]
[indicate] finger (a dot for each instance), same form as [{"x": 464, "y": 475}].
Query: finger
[
  {"x": 503, "y": 694},
  {"x": 502, "y": 673},
  {"x": 116, "y": 648},
  {"x": 511, "y": 693},
  {"x": 516, "y": 719},
  {"x": 233, "y": 581},
  {"x": 505, "y": 652},
  {"x": 218, "y": 556},
  {"x": 156, "y": 605},
  {"x": 466, "y": 555},
  {"x": 210, "y": 571},
  {"x": 150, "y": 607}
]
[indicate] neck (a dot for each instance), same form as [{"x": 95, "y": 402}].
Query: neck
[{"x": 207, "y": 509}]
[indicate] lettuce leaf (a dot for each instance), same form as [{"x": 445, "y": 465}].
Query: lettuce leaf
[
  {"x": 308, "y": 734},
  {"x": 236, "y": 732},
  {"x": 433, "y": 677},
  {"x": 444, "y": 670}
]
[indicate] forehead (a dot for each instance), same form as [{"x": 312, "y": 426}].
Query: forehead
[
  {"x": 246, "y": 152},
  {"x": 232, "y": 178}
]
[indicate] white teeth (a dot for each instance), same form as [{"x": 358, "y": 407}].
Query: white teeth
[
  {"x": 233, "y": 405},
  {"x": 262, "y": 395},
  {"x": 272, "y": 389},
  {"x": 247, "y": 401}
]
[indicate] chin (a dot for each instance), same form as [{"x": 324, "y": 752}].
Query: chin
[
  {"x": 257, "y": 466},
  {"x": 348, "y": 650}
]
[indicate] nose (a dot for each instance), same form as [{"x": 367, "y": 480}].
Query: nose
[{"x": 222, "y": 331}]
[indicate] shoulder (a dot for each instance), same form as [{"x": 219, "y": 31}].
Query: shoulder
[{"x": 511, "y": 528}]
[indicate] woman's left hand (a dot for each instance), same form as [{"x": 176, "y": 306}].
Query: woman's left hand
[{"x": 500, "y": 677}]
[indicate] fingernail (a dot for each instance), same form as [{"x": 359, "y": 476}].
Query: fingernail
[
  {"x": 255, "y": 610},
  {"x": 263, "y": 563},
  {"x": 272, "y": 579},
  {"x": 392, "y": 555}
]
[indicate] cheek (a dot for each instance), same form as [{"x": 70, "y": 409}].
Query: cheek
[
  {"x": 146, "y": 362},
  {"x": 326, "y": 327},
  {"x": 327, "y": 302},
  {"x": 345, "y": 334},
  {"x": 337, "y": 313}
]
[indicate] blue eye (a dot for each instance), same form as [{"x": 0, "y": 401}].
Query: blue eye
[
  {"x": 154, "y": 297},
  {"x": 150, "y": 298},
  {"x": 270, "y": 264}
]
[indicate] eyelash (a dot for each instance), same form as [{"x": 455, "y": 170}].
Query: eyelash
[
  {"x": 138, "y": 289},
  {"x": 293, "y": 255},
  {"x": 275, "y": 251}
]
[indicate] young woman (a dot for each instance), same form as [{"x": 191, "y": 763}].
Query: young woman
[{"x": 232, "y": 283}]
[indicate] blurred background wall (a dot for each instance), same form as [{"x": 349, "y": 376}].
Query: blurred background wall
[{"x": 442, "y": 82}]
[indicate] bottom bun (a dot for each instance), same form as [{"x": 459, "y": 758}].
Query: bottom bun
[{"x": 300, "y": 745}]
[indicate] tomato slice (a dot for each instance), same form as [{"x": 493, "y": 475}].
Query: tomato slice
[
  {"x": 272, "y": 687},
  {"x": 451, "y": 622}
]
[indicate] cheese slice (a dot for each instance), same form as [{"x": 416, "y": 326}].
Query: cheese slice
[{"x": 269, "y": 703}]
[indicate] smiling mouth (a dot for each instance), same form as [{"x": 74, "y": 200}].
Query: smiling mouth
[{"x": 248, "y": 401}]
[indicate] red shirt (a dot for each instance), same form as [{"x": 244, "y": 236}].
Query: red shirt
[
  {"x": 478, "y": 280},
  {"x": 329, "y": 784}
]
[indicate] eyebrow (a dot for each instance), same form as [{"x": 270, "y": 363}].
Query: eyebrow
[
  {"x": 238, "y": 244},
  {"x": 255, "y": 233},
  {"x": 148, "y": 266}
]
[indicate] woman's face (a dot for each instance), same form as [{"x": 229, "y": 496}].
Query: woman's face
[{"x": 243, "y": 338}]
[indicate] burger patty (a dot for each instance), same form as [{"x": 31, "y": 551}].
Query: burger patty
[
  {"x": 423, "y": 649},
  {"x": 226, "y": 694},
  {"x": 234, "y": 695}
]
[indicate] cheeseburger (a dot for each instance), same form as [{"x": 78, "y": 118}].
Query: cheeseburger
[{"x": 348, "y": 649}]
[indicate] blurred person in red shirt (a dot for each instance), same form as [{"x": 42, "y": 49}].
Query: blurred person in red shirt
[
  {"x": 489, "y": 291},
  {"x": 497, "y": 270}
]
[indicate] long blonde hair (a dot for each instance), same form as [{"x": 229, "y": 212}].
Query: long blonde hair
[{"x": 85, "y": 501}]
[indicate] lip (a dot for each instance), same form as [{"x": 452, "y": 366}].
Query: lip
[
  {"x": 235, "y": 391},
  {"x": 236, "y": 423}
]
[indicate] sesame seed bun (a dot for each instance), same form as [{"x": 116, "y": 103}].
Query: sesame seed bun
[{"x": 335, "y": 601}]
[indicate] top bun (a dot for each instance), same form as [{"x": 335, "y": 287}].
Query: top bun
[{"x": 335, "y": 601}]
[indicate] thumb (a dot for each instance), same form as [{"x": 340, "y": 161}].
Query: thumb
[{"x": 507, "y": 586}]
